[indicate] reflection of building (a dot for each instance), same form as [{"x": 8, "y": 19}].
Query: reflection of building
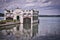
[{"x": 26, "y": 18}]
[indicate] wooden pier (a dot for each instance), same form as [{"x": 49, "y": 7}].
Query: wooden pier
[{"x": 9, "y": 23}]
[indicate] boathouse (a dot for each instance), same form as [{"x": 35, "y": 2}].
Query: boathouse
[{"x": 27, "y": 19}]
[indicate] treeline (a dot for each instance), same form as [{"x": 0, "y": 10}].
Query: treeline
[
  {"x": 49, "y": 15},
  {"x": 1, "y": 14}
]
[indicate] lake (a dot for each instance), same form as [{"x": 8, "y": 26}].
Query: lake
[
  {"x": 47, "y": 26},
  {"x": 1, "y": 18}
]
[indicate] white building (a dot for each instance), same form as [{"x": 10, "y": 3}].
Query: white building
[{"x": 26, "y": 18}]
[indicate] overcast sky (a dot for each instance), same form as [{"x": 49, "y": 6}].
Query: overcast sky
[{"x": 45, "y": 7}]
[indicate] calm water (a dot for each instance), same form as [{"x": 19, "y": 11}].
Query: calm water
[
  {"x": 1, "y": 18},
  {"x": 47, "y": 26}
]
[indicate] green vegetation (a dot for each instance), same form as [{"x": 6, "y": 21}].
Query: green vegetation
[
  {"x": 14, "y": 20},
  {"x": 4, "y": 21}
]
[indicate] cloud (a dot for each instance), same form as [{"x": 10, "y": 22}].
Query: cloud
[
  {"x": 42, "y": 4},
  {"x": 55, "y": 2},
  {"x": 29, "y": 0},
  {"x": 41, "y": 0},
  {"x": 39, "y": 3},
  {"x": 29, "y": 4},
  {"x": 50, "y": 12},
  {"x": 12, "y": 4},
  {"x": 26, "y": 3}
]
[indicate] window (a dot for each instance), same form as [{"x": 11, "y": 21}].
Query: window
[
  {"x": 9, "y": 18},
  {"x": 24, "y": 14},
  {"x": 29, "y": 13},
  {"x": 35, "y": 17}
]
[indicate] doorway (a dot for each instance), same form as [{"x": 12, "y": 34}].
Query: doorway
[
  {"x": 18, "y": 18},
  {"x": 27, "y": 23}
]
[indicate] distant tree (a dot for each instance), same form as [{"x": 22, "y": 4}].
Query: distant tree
[{"x": 1, "y": 14}]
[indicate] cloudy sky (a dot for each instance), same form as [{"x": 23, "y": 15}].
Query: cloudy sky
[{"x": 45, "y": 7}]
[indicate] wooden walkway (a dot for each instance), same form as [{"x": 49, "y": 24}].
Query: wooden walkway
[{"x": 9, "y": 23}]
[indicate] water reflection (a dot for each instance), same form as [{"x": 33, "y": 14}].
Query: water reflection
[{"x": 19, "y": 32}]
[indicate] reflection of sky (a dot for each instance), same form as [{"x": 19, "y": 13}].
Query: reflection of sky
[
  {"x": 49, "y": 25},
  {"x": 44, "y": 6}
]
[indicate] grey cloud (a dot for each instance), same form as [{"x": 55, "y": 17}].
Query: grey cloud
[
  {"x": 55, "y": 2},
  {"x": 35, "y": 3}
]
